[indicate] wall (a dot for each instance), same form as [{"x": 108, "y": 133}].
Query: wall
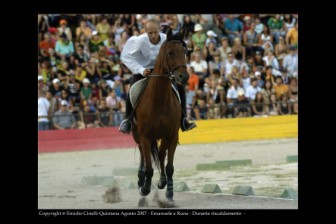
[{"x": 222, "y": 130}]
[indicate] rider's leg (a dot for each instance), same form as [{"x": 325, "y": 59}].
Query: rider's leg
[
  {"x": 185, "y": 125},
  {"x": 125, "y": 125}
]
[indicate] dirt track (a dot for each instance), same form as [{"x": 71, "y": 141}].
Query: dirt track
[{"x": 61, "y": 186}]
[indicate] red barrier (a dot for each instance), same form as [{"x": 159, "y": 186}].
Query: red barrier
[{"x": 84, "y": 139}]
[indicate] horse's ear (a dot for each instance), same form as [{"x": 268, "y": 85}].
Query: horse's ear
[
  {"x": 169, "y": 33},
  {"x": 182, "y": 33}
]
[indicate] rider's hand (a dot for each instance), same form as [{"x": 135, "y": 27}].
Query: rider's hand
[{"x": 146, "y": 72}]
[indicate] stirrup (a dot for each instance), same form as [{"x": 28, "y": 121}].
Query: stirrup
[
  {"x": 191, "y": 125},
  {"x": 124, "y": 126}
]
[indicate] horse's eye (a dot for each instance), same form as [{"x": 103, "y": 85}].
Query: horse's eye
[{"x": 170, "y": 53}]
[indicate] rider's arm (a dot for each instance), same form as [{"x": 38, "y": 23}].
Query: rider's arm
[{"x": 131, "y": 54}]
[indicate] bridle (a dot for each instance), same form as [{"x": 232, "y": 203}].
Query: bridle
[{"x": 171, "y": 70}]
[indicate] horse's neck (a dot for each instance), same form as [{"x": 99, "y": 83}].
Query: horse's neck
[{"x": 160, "y": 87}]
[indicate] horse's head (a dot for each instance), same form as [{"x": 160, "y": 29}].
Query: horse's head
[{"x": 172, "y": 57}]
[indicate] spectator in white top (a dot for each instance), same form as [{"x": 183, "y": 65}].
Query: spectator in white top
[
  {"x": 211, "y": 38},
  {"x": 232, "y": 93},
  {"x": 270, "y": 60},
  {"x": 245, "y": 80},
  {"x": 200, "y": 66},
  {"x": 225, "y": 48},
  {"x": 139, "y": 56},
  {"x": 229, "y": 63},
  {"x": 290, "y": 62},
  {"x": 252, "y": 90},
  {"x": 43, "y": 109}
]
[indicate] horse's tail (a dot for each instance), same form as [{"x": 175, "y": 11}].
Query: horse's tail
[{"x": 155, "y": 154}]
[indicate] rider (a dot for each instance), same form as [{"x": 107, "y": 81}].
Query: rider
[{"x": 139, "y": 56}]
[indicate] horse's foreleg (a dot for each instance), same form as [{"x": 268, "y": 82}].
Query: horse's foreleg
[
  {"x": 170, "y": 170},
  {"x": 141, "y": 170},
  {"x": 146, "y": 149},
  {"x": 162, "y": 155}
]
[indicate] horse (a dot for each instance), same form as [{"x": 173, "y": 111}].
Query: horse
[{"x": 158, "y": 115}]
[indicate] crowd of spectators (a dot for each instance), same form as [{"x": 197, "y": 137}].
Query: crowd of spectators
[{"x": 239, "y": 64}]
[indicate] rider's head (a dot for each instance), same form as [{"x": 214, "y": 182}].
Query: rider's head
[{"x": 152, "y": 28}]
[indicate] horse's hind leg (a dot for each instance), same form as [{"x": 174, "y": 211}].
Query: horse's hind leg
[
  {"x": 141, "y": 170},
  {"x": 146, "y": 151},
  {"x": 170, "y": 169},
  {"x": 162, "y": 155}
]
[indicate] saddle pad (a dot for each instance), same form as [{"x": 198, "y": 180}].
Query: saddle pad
[{"x": 136, "y": 90}]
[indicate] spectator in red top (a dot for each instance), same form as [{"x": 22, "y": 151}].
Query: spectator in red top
[
  {"x": 193, "y": 80},
  {"x": 46, "y": 44}
]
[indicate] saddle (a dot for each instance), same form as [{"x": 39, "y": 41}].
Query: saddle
[{"x": 138, "y": 88}]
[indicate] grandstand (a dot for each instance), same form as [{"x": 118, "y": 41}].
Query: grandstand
[{"x": 240, "y": 65}]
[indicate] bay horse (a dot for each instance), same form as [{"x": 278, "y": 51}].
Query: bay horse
[{"x": 158, "y": 115}]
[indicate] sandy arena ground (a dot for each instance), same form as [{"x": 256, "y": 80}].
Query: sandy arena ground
[{"x": 61, "y": 177}]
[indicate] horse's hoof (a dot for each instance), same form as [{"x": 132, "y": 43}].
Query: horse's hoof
[
  {"x": 169, "y": 195},
  {"x": 161, "y": 184},
  {"x": 144, "y": 192}
]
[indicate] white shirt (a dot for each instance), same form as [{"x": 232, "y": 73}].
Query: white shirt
[
  {"x": 246, "y": 82},
  {"x": 290, "y": 62},
  {"x": 228, "y": 66},
  {"x": 233, "y": 93},
  {"x": 251, "y": 92},
  {"x": 140, "y": 54},
  {"x": 199, "y": 67},
  {"x": 265, "y": 38},
  {"x": 43, "y": 107},
  {"x": 273, "y": 62}
]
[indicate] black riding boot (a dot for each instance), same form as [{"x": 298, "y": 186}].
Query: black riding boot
[
  {"x": 125, "y": 126},
  {"x": 185, "y": 125}
]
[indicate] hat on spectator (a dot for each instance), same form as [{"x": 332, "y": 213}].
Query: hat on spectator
[
  {"x": 198, "y": 27},
  {"x": 55, "y": 80},
  {"x": 86, "y": 80},
  {"x": 247, "y": 18},
  {"x": 40, "y": 77},
  {"x": 211, "y": 33},
  {"x": 241, "y": 92},
  {"x": 258, "y": 53},
  {"x": 257, "y": 73},
  {"x": 63, "y": 21},
  {"x": 95, "y": 32},
  {"x": 53, "y": 30},
  {"x": 64, "y": 103}
]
